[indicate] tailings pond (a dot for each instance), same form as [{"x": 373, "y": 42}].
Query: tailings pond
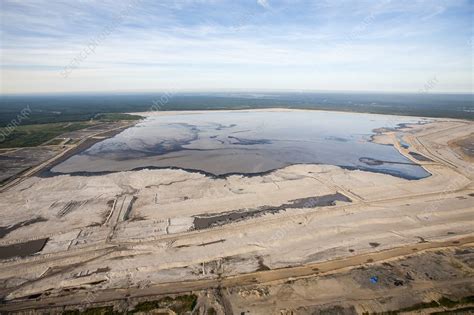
[{"x": 247, "y": 142}]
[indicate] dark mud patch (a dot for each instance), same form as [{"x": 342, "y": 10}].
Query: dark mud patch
[
  {"x": 4, "y": 230},
  {"x": 226, "y": 175},
  {"x": 22, "y": 249},
  {"x": 221, "y": 126},
  {"x": 422, "y": 240},
  {"x": 70, "y": 207},
  {"x": 466, "y": 145},
  {"x": 89, "y": 273},
  {"x": 213, "y": 242},
  {"x": 261, "y": 264},
  {"x": 375, "y": 162},
  {"x": 210, "y": 220},
  {"x": 127, "y": 213},
  {"x": 420, "y": 157},
  {"x": 338, "y": 139},
  {"x": 334, "y": 310},
  {"x": 242, "y": 141}
]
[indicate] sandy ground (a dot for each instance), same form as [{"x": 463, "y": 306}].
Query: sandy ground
[{"x": 135, "y": 229}]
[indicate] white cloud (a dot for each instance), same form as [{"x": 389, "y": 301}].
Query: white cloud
[
  {"x": 264, "y": 3},
  {"x": 197, "y": 43}
]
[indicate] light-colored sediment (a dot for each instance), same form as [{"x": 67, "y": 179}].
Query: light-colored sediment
[{"x": 139, "y": 224}]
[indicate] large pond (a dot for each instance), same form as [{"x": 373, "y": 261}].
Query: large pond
[{"x": 221, "y": 143}]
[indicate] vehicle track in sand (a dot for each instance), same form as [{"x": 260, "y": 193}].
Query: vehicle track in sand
[{"x": 260, "y": 277}]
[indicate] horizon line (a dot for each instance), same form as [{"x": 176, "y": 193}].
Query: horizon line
[{"x": 240, "y": 91}]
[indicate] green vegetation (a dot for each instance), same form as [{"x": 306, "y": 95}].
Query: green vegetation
[
  {"x": 417, "y": 307},
  {"x": 180, "y": 304},
  {"x": 211, "y": 311},
  {"x": 183, "y": 304},
  {"x": 337, "y": 310},
  {"x": 55, "y": 141},
  {"x": 33, "y": 135},
  {"x": 444, "y": 301},
  {"x": 66, "y": 108},
  {"x": 464, "y": 310},
  {"x": 36, "y": 134}
]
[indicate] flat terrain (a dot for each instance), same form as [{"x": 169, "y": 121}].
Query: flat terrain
[
  {"x": 30, "y": 146},
  {"x": 221, "y": 143},
  {"x": 33, "y": 135},
  {"x": 67, "y": 108},
  {"x": 299, "y": 240}
]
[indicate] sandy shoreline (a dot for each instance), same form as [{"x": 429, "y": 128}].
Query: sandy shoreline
[{"x": 275, "y": 109}]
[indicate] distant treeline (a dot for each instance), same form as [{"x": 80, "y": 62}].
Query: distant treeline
[{"x": 62, "y": 108}]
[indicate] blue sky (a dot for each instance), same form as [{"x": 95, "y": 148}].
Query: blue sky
[{"x": 211, "y": 45}]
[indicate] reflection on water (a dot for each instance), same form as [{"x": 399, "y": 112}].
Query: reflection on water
[{"x": 248, "y": 142}]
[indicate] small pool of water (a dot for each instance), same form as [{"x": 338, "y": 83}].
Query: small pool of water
[
  {"x": 222, "y": 143},
  {"x": 22, "y": 249}
]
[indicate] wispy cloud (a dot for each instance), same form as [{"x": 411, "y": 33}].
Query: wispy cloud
[
  {"x": 264, "y": 3},
  {"x": 207, "y": 44}
]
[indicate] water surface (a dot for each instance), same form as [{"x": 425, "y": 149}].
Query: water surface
[{"x": 251, "y": 142}]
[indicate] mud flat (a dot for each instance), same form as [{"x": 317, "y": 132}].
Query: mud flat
[
  {"x": 210, "y": 220},
  {"x": 133, "y": 235},
  {"x": 420, "y": 157},
  {"x": 4, "y": 230},
  {"x": 20, "y": 160},
  {"x": 464, "y": 146}
]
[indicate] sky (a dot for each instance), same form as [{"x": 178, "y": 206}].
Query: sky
[{"x": 212, "y": 45}]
